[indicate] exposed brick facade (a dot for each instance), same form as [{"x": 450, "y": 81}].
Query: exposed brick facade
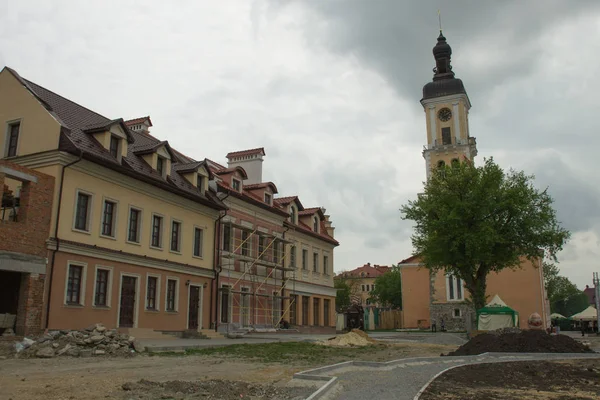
[{"x": 27, "y": 236}]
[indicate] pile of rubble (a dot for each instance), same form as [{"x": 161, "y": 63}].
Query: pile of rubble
[{"x": 95, "y": 340}]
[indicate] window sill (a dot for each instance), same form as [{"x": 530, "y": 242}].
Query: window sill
[
  {"x": 152, "y": 310},
  {"x": 198, "y": 257},
  {"x": 105, "y": 308},
  {"x": 172, "y": 312},
  {"x": 133, "y": 243},
  {"x": 81, "y": 231},
  {"x": 156, "y": 248},
  {"x": 108, "y": 237},
  {"x": 455, "y": 300},
  {"x": 175, "y": 252},
  {"x": 73, "y": 305}
]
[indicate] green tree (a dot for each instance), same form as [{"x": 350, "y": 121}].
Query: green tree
[
  {"x": 571, "y": 304},
  {"x": 344, "y": 289},
  {"x": 388, "y": 289},
  {"x": 471, "y": 221}
]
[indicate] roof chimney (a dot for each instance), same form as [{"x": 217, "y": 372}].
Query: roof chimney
[
  {"x": 251, "y": 160},
  {"x": 141, "y": 124}
]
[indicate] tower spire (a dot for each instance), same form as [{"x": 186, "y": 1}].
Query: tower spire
[{"x": 440, "y": 19}]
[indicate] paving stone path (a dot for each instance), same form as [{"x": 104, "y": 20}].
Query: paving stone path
[{"x": 402, "y": 379}]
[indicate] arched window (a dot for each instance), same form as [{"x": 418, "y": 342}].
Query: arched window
[
  {"x": 454, "y": 286},
  {"x": 293, "y": 214},
  {"x": 455, "y": 162},
  {"x": 316, "y": 224},
  {"x": 441, "y": 164}
]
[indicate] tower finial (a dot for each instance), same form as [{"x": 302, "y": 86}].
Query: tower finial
[{"x": 440, "y": 20}]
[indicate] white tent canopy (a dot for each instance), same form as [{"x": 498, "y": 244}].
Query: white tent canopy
[
  {"x": 589, "y": 314},
  {"x": 496, "y": 302},
  {"x": 557, "y": 316}
]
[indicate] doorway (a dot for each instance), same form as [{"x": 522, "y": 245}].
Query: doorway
[
  {"x": 194, "y": 308},
  {"x": 245, "y": 300},
  {"x": 127, "y": 303},
  {"x": 10, "y": 284}
]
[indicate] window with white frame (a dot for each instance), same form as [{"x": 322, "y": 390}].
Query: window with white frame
[
  {"x": 236, "y": 184},
  {"x": 101, "y": 287},
  {"x": 198, "y": 242},
  {"x": 293, "y": 256},
  {"x": 326, "y": 265},
  {"x": 12, "y": 140},
  {"x": 316, "y": 224},
  {"x": 133, "y": 230},
  {"x": 315, "y": 262},
  {"x": 304, "y": 259},
  {"x": 157, "y": 223},
  {"x": 457, "y": 313},
  {"x": 152, "y": 292},
  {"x": 114, "y": 146},
  {"x": 160, "y": 166},
  {"x": 454, "y": 288},
  {"x": 171, "y": 297},
  {"x": 175, "y": 236},
  {"x": 109, "y": 213},
  {"x": 75, "y": 285},
  {"x": 293, "y": 214},
  {"x": 82, "y": 211}
]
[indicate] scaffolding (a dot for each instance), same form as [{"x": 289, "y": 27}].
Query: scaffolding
[{"x": 254, "y": 264}]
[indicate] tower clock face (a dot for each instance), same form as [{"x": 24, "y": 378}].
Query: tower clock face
[{"x": 444, "y": 114}]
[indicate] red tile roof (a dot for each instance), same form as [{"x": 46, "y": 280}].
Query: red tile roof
[
  {"x": 261, "y": 185},
  {"x": 369, "y": 271},
  {"x": 284, "y": 201},
  {"x": 302, "y": 227},
  {"x": 138, "y": 121},
  {"x": 259, "y": 150},
  {"x": 309, "y": 211},
  {"x": 231, "y": 170},
  {"x": 410, "y": 259},
  {"x": 216, "y": 165},
  {"x": 249, "y": 197}
]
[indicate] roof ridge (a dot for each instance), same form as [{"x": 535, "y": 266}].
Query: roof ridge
[{"x": 64, "y": 98}]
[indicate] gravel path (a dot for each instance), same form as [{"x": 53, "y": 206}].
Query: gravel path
[{"x": 403, "y": 380}]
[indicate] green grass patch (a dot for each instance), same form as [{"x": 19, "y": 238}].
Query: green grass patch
[{"x": 282, "y": 352}]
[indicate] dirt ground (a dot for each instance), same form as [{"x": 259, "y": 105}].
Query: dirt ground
[
  {"x": 558, "y": 380},
  {"x": 100, "y": 378}
]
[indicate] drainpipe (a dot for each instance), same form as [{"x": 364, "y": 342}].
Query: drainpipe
[
  {"x": 60, "y": 190},
  {"x": 216, "y": 267}
]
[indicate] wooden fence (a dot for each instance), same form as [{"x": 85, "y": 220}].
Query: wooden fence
[{"x": 390, "y": 319}]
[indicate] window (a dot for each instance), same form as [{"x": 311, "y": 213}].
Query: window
[
  {"x": 455, "y": 163},
  {"x": 108, "y": 218},
  {"x": 325, "y": 265},
  {"x": 171, "y": 294},
  {"x": 316, "y": 304},
  {"x": 363, "y": 287},
  {"x": 74, "y": 284},
  {"x": 151, "y": 293},
  {"x": 372, "y": 287},
  {"x": 457, "y": 313},
  {"x": 293, "y": 305},
  {"x": 293, "y": 214},
  {"x": 315, "y": 262},
  {"x": 276, "y": 248},
  {"x": 82, "y": 211},
  {"x": 316, "y": 224},
  {"x": 441, "y": 164},
  {"x": 454, "y": 288},
  {"x": 134, "y": 225},
  {"x": 326, "y": 305},
  {"x": 237, "y": 185},
  {"x": 198, "y": 242},
  {"x": 225, "y": 303},
  {"x": 160, "y": 166},
  {"x": 114, "y": 146},
  {"x": 261, "y": 247},
  {"x": 175, "y": 236},
  {"x": 293, "y": 256},
  {"x": 304, "y": 259},
  {"x": 100, "y": 299},
  {"x": 304, "y": 310},
  {"x": 268, "y": 198},
  {"x": 156, "y": 231},
  {"x": 226, "y": 238},
  {"x": 13, "y": 139},
  {"x": 446, "y": 136},
  {"x": 245, "y": 244}
]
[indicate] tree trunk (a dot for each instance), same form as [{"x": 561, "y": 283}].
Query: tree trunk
[{"x": 478, "y": 289}]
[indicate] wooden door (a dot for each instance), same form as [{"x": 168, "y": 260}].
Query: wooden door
[
  {"x": 193, "y": 308},
  {"x": 127, "y": 304}
]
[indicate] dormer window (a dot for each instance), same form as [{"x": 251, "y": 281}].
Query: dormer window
[
  {"x": 316, "y": 224},
  {"x": 114, "y": 146},
  {"x": 236, "y": 184},
  {"x": 160, "y": 166},
  {"x": 268, "y": 198},
  {"x": 293, "y": 214}
]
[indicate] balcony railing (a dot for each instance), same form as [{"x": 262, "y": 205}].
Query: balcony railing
[{"x": 471, "y": 141}]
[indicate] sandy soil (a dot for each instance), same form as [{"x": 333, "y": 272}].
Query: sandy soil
[{"x": 101, "y": 378}]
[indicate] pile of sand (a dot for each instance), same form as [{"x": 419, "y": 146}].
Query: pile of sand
[{"x": 354, "y": 338}]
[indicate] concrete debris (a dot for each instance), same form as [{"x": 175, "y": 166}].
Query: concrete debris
[{"x": 95, "y": 340}]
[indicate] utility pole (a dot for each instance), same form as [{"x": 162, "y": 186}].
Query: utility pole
[{"x": 596, "y": 281}]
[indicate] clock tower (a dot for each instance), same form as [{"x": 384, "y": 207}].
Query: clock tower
[{"x": 446, "y": 106}]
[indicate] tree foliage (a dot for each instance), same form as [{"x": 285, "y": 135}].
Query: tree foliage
[
  {"x": 471, "y": 221},
  {"x": 346, "y": 287},
  {"x": 573, "y": 304},
  {"x": 564, "y": 296},
  {"x": 388, "y": 289}
]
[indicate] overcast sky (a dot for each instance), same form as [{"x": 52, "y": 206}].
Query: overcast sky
[{"x": 331, "y": 89}]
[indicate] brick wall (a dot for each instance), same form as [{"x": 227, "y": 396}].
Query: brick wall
[
  {"x": 29, "y": 314},
  {"x": 29, "y": 233}
]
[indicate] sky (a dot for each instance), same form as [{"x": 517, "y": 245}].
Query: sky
[{"x": 331, "y": 89}]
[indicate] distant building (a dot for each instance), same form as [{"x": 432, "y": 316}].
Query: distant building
[
  {"x": 362, "y": 281},
  {"x": 590, "y": 292}
]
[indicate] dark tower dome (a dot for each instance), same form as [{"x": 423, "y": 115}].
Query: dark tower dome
[{"x": 444, "y": 83}]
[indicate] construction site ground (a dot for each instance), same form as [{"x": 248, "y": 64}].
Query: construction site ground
[{"x": 270, "y": 364}]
